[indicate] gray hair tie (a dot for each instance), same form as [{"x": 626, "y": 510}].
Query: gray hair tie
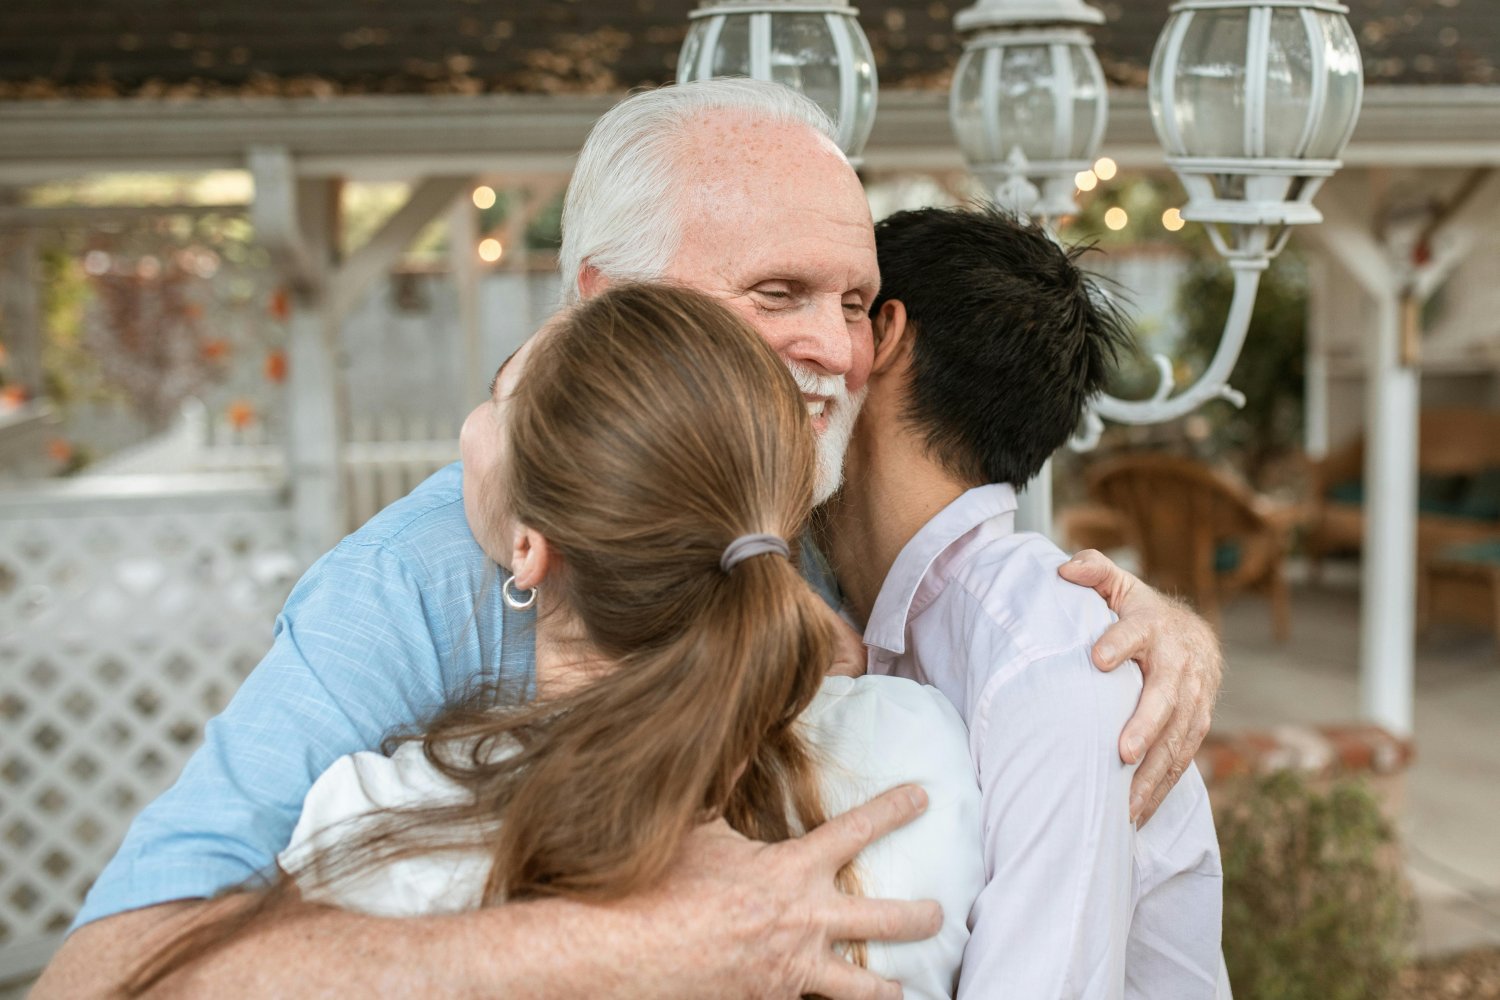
[{"x": 745, "y": 546}]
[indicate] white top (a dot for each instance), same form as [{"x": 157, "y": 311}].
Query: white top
[
  {"x": 1077, "y": 902},
  {"x": 870, "y": 733}
]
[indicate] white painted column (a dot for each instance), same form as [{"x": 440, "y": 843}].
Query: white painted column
[
  {"x": 314, "y": 427},
  {"x": 1388, "y": 594},
  {"x": 463, "y": 260},
  {"x": 1034, "y": 503},
  {"x": 1315, "y": 394}
]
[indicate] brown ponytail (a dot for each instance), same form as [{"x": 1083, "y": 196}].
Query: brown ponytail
[{"x": 651, "y": 428}]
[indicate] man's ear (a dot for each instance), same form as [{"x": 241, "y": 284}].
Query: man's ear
[
  {"x": 591, "y": 281},
  {"x": 892, "y": 336},
  {"x": 531, "y": 557}
]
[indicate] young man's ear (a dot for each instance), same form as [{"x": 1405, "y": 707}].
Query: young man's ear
[
  {"x": 530, "y": 558},
  {"x": 892, "y": 336}
]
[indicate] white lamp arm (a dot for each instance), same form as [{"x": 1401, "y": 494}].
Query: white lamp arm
[{"x": 1214, "y": 383}]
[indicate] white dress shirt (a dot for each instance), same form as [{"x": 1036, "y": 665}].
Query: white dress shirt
[
  {"x": 868, "y": 734},
  {"x": 1077, "y": 902}
]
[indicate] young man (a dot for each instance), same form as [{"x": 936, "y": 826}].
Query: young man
[{"x": 989, "y": 344}]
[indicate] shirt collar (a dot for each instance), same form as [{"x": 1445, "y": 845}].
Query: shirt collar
[{"x": 886, "y": 628}]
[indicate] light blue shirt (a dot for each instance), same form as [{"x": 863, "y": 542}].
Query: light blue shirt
[{"x": 402, "y": 616}]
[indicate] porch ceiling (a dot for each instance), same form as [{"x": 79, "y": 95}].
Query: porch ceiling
[{"x": 413, "y": 135}]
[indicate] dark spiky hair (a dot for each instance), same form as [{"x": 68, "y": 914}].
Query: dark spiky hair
[{"x": 1011, "y": 338}]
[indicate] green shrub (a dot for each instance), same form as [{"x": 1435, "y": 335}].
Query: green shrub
[{"x": 1314, "y": 903}]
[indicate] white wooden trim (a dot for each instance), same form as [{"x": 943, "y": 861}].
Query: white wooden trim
[
  {"x": 397, "y": 138},
  {"x": 430, "y": 198}
]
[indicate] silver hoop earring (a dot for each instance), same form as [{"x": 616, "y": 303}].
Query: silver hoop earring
[{"x": 514, "y": 601}]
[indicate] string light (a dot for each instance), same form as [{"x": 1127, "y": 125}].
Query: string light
[
  {"x": 1116, "y": 218},
  {"x": 490, "y": 250},
  {"x": 484, "y": 197},
  {"x": 1086, "y": 180},
  {"x": 1172, "y": 220},
  {"x": 1105, "y": 169}
]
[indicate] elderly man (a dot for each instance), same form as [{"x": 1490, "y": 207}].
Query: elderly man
[{"x": 731, "y": 187}]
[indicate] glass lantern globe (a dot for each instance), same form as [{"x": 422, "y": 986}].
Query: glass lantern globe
[
  {"x": 1029, "y": 97},
  {"x": 1254, "y": 102},
  {"x": 815, "y": 48}
]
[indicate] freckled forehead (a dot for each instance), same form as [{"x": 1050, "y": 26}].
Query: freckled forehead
[{"x": 774, "y": 195}]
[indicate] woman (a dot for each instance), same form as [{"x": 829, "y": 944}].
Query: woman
[{"x": 652, "y": 464}]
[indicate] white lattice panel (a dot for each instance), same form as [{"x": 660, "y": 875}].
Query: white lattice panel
[{"x": 130, "y": 609}]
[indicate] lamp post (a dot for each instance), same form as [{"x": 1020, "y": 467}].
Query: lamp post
[
  {"x": 1253, "y": 100},
  {"x": 1029, "y": 102},
  {"x": 813, "y": 46}
]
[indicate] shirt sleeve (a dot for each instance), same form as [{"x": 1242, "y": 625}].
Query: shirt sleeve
[
  {"x": 351, "y": 794},
  {"x": 353, "y": 657},
  {"x": 1053, "y": 919}
]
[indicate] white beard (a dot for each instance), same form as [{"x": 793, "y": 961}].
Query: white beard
[{"x": 843, "y": 410}]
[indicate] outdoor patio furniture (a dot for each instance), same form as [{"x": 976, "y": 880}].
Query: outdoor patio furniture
[
  {"x": 1458, "y": 490},
  {"x": 1461, "y": 583},
  {"x": 1199, "y": 532}
]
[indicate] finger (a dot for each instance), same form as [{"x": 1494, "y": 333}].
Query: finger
[
  {"x": 1124, "y": 640},
  {"x": 1152, "y": 713},
  {"x": 839, "y": 979},
  {"x": 856, "y": 918},
  {"x": 841, "y": 838},
  {"x": 1155, "y": 777},
  {"x": 1089, "y": 568}
]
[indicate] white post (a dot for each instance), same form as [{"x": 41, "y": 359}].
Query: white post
[
  {"x": 1388, "y": 595},
  {"x": 1034, "y": 503},
  {"x": 1315, "y": 395},
  {"x": 314, "y": 427},
  {"x": 463, "y": 238}
]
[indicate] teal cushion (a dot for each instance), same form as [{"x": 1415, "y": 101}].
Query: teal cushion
[
  {"x": 1481, "y": 500},
  {"x": 1473, "y": 552},
  {"x": 1349, "y": 491},
  {"x": 1227, "y": 557},
  {"x": 1442, "y": 494}
]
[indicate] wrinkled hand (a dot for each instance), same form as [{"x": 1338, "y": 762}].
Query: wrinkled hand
[
  {"x": 773, "y": 913},
  {"x": 849, "y": 659},
  {"x": 1183, "y": 666}
]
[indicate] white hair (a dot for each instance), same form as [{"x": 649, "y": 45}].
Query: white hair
[{"x": 622, "y": 213}]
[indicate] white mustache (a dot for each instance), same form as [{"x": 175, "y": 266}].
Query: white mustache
[{"x": 811, "y": 383}]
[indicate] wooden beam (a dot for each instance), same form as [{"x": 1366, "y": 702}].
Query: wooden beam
[
  {"x": 432, "y": 197},
  {"x": 57, "y": 216}
]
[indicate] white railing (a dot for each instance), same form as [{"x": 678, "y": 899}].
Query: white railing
[
  {"x": 383, "y": 459},
  {"x": 130, "y": 609}
]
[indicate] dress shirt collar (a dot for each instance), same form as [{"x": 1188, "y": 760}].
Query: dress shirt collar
[{"x": 897, "y": 600}]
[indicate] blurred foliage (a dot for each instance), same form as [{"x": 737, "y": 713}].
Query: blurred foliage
[
  {"x": 1314, "y": 904},
  {"x": 1271, "y": 370}
]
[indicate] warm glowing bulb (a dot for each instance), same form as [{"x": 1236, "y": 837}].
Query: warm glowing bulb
[
  {"x": 1172, "y": 220},
  {"x": 1086, "y": 180},
  {"x": 484, "y": 196},
  {"x": 1106, "y": 168},
  {"x": 1116, "y": 218},
  {"x": 490, "y": 250}
]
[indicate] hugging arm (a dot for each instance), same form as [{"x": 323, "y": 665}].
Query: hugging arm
[
  {"x": 1179, "y": 655},
  {"x": 353, "y": 658},
  {"x": 735, "y": 919}
]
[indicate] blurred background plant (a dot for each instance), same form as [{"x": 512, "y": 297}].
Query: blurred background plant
[{"x": 1315, "y": 906}]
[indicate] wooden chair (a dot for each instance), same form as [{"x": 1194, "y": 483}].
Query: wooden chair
[{"x": 1199, "y": 532}]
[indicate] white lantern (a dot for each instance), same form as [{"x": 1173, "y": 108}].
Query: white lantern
[
  {"x": 816, "y": 48},
  {"x": 1254, "y": 101},
  {"x": 1029, "y": 99}
]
